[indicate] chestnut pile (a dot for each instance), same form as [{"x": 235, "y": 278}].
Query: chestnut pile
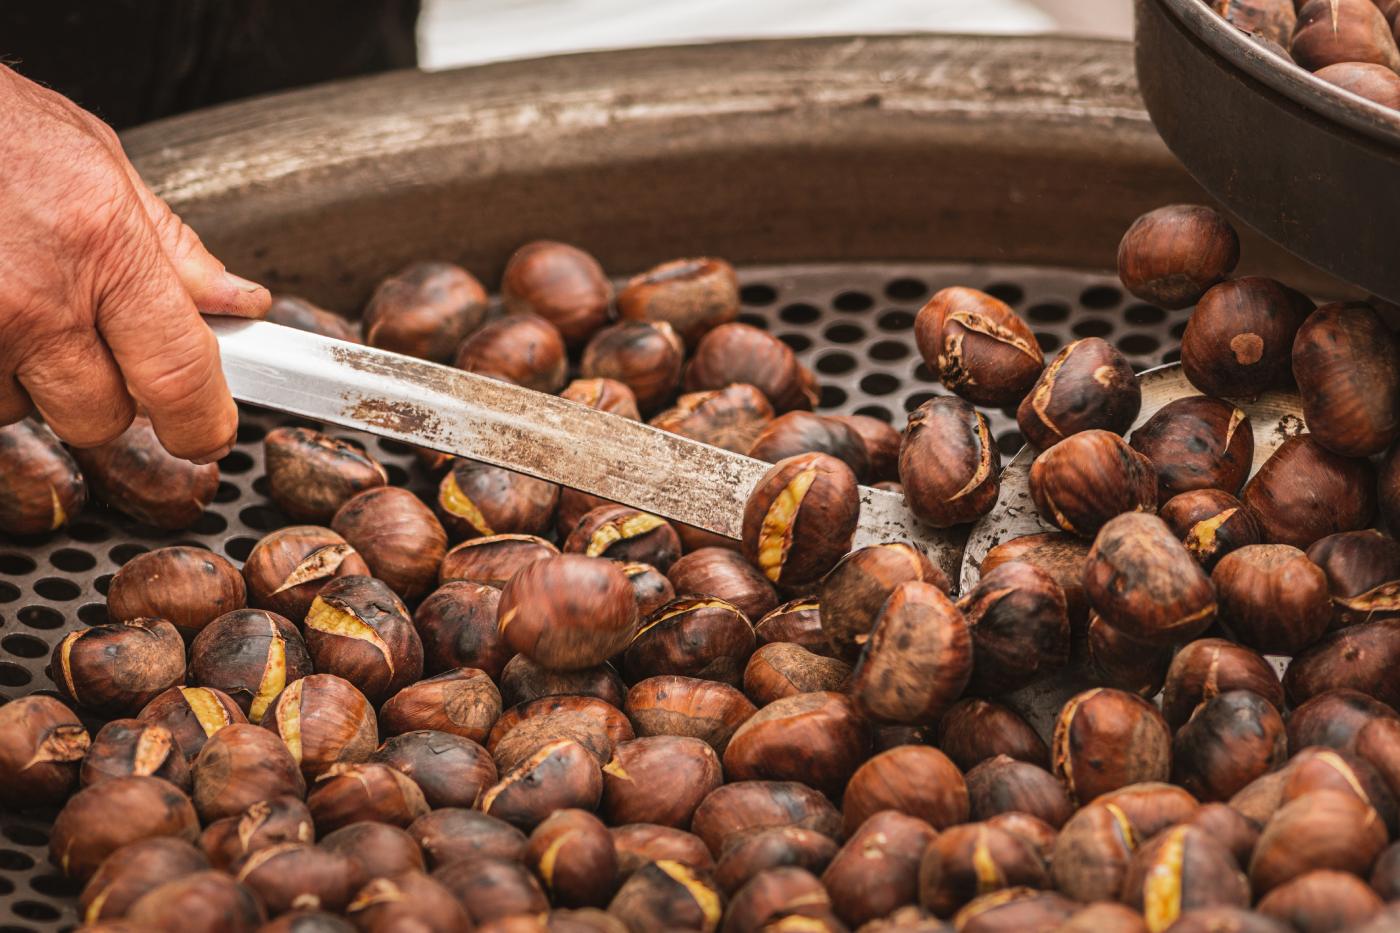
[
  {"x": 1354, "y": 44},
  {"x": 516, "y": 707}
]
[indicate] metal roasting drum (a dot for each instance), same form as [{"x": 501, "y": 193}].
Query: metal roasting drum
[{"x": 848, "y": 179}]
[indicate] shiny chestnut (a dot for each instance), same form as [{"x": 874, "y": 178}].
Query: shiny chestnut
[
  {"x": 622, "y": 533},
  {"x": 425, "y": 310},
  {"x": 672, "y": 705},
  {"x": 949, "y": 464},
  {"x": 288, "y": 567},
  {"x": 692, "y": 295},
  {"x": 1347, "y": 365},
  {"x": 918, "y": 660},
  {"x": 449, "y": 769},
  {"x": 477, "y": 500},
  {"x": 568, "y": 612},
  {"x": 1088, "y": 385},
  {"x": 1304, "y": 492},
  {"x": 975, "y": 729},
  {"x": 915, "y": 779},
  {"x": 1207, "y": 667},
  {"x": 250, "y": 655},
  {"x": 41, "y": 747},
  {"x": 115, "y": 669},
  {"x": 604, "y": 394},
  {"x": 782, "y": 669},
  {"x": 724, "y": 574},
  {"x": 310, "y": 475},
  {"x": 1171, "y": 255},
  {"x": 1196, "y": 443},
  {"x": 358, "y": 629},
  {"x": 1211, "y": 523},
  {"x": 1232, "y": 738},
  {"x": 817, "y": 738},
  {"x": 463, "y": 702},
  {"x": 1142, "y": 581},
  {"x": 136, "y": 475},
  {"x": 1238, "y": 341},
  {"x": 397, "y": 535},
  {"x": 192, "y": 715},
  {"x": 731, "y": 417},
  {"x": 739, "y": 353},
  {"x": 43, "y": 487},
  {"x": 457, "y": 625},
  {"x": 100, "y": 819},
  {"x": 1019, "y": 625},
  {"x": 1272, "y": 598},
  {"x": 1106, "y": 739},
  {"x": 562, "y": 284},
  {"x": 852, "y": 594},
  {"x": 800, "y": 432},
  {"x": 324, "y": 720},
  {"x": 523, "y": 349},
  {"x": 645, "y": 356},
  {"x": 800, "y": 518},
  {"x": 1084, "y": 481},
  {"x": 659, "y": 779},
  {"x": 979, "y": 348}
]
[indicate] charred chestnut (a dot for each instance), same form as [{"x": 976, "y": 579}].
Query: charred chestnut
[
  {"x": 1207, "y": 667},
  {"x": 114, "y": 670},
  {"x": 461, "y": 702},
  {"x": 134, "y": 474},
  {"x": 1058, "y": 554},
  {"x": 359, "y": 630},
  {"x": 287, "y": 568},
  {"x": 100, "y": 819},
  {"x": 1238, "y": 341},
  {"x": 1347, "y": 365},
  {"x": 126, "y": 747},
  {"x": 478, "y": 500},
  {"x": 43, "y": 486},
  {"x": 41, "y": 746},
  {"x": 449, "y": 769},
  {"x": 1140, "y": 579},
  {"x": 351, "y": 793},
  {"x": 1304, "y": 492},
  {"x": 915, "y": 779},
  {"x": 1211, "y": 523},
  {"x": 425, "y": 310},
  {"x": 593, "y": 723},
  {"x": 310, "y": 475},
  {"x": 568, "y": 612},
  {"x": 973, "y": 730},
  {"x": 800, "y": 518},
  {"x": 800, "y": 432},
  {"x": 1171, "y": 255},
  {"x": 607, "y": 395},
  {"x": 451, "y": 834},
  {"x": 1272, "y": 598},
  {"x": 731, "y": 417},
  {"x": 918, "y": 660},
  {"x": 1196, "y": 443},
  {"x": 1106, "y": 739},
  {"x": 817, "y": 738},
  {"x": 1231, "y": 739},
  {"x": 1088, "y": 385},
  {"x": 692, "y": 636},
  {"x": 1362, "y": 568},
  {"x": 1090, "y": 477},
  {"x": 131, "y": 871},
  {"x": 573, "y": 854},
  {"x": 523, "y": 349},
  {"x": 979, "y": 348},
  {"x": 324, "y": 721},
  {"x": 1122, "y": 662},
  {"x": 949, "y": 464},
  {"x": 560, "y": 283},
  {"x": 853, "y": 593},
  {"x": 1019, "y": 627},
  {"x": 705, "y": 709},
  {"x": 645, "y": 356},
  {"x": 559, "y": 775},
  {"x": 397, "y": 535}
]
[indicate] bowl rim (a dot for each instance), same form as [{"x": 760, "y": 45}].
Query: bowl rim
[{"x": 1297, "y": 84}]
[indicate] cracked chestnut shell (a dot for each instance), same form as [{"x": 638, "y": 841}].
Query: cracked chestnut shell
[
  {"x": 781, "y": 669},
  {"x": 1084, "y": 481},
  {"x": 722, "y": 573},
  {"x": 731, "y": 417},
  {"x": 266, "y": 823},
  {"x": 1142, "y": 581},
  {"x": 1018, "y": 908},
  {"x": 1272, "y": 598},
  {"x": 915, "y": 779},
  {"x": 310, "y": 475},
  {"x": 114, "y": 670},
  {"x": 1314, "y": 769},
  {"x": 125, "y": 747},
  {"x": 189, "y": 587},
  {"x": 741, "y": 807},
  {"x": 380, "y": 850},
  {"x": 667, "y": 894},
  {"x": 1171, "y": 255},
  {"x": 650, "y": 588},
  {"x": 457, "y": 625},
  {"x": 192, "y": 714},
  {"x": 425, "y": 310},
  {"x": 100, "y": 819},
  {"x": 476, "y": 500},
  {"x": 288, "y": 567},
  {"x": 449, "y": 769},
  {"x": 800, "y": 518},
  {"x": 622, "y": 533},
  {"x": 1362, "y": 657},
  {"x": 41, "y": 748},
  {"x": 963, "y": 862},
  {"x": 1304, "y": 492},
  {"x": 1208, "y": 667},
  {"x": 1239, "y": 340},
  {"x": 853, "y": 593},
  {"x": 134, "y": 474},
  {"x": 975, "y": 729},
  {"x": 949, "y": 464},
  {"x": 452, "y": 834},
  {"x": 461, "y": 702},
  {"x": 693, "y": 636},
  {"x": 562, "y": 284},
  {"x": 364, "y": 791},
  {"x": 296, "y": 875},
  {"x": 659, "y": 779},
  {"x": 877, "y": 870},
  {"x": 800, "y": 432},
  {"x": 979, "y": 348},
  {"x": 797, "y": 621},
  {"x": 774, "y": 896},
  {"x": 410, "y": 900},
  {"x": 134, "y": 869},
  {"x": 1363, "y": 570},
  {"x": 523, "y": 349},
  {"x": 297, "y": 312},
  {"x": 1088, "y": 385},
  {"x": 358, "y": 629},
  {"x": 250, "y": 655},
  {"x": 816, "y": 738},
  {"x": 239, "y": 766},
  {"x": 204, "y": 900},
  {"x": 1347, "y": 365},
  {"x": 1181, "y": 869},
  {"x": 573, "y": 855},
  {"x": 595, "y": 724},
  {"x": 524, "y": 681},
  {"x": 1350, "y": 31},
  {"x": 694, "y": 296},
  {"x": 558, "y": 775},
  {"x": 740, "y": 353},
  {"x": 1106, "y": 739},
  {"x": 1092, "y": 853},
  {"x": 672, "y": 705},
  {"x": 918, "y": 660},
  {"x": 324, "y": 720},
  {"x": 604, "y": 394},
  {"x": 1211, "y": 523},
  {"x": 1060, "y": 555},
  {"x": 640, "y": 843},
  {"x": 645, "y": 356},
  {"x": 568, "y": 612},
  {"x": 397, "y": 535},
  {"x": 1004, "y": 785},
  {"x": 42, "y": 487},
  {"x": 1321, "y": 829},
  {"x": 1196, "y": 443},
  {"x": 752, "y": 853},
  {"x": 1231, "y": 739},
  {"x": 1020, "y": 629}
]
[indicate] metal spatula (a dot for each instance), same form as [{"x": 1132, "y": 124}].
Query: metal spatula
[{"x": 541, "y": 435}]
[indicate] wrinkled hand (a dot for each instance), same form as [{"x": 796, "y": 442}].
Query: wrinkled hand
[{"x": 101, "y": 287}]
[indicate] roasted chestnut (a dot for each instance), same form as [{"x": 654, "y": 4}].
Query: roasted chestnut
[
  {"x": 1362, "y": 568},
  {"x": 645, "y": 356},
  {"x": 41, "y": 746},
  {"x": 817, "y": 738},
  {"x": 1122, "y": 662},
  {"x": 731, "y": 417},
  {"x": 324, "y": 721},
  {"x": 202, "y": 901},
  {"x": 1196, "y": 443},
  {"x": 364, "y": 791},
  {"x": 523, "y": 681},
  {"x": 1371, "y": 81},
  {"x": 1322, "y": 829},
  {"x": 800, "y": 432},
  {"x": 1018, "y": 908},
  {"x": 266, "y": 823},
  {"x": 1233, "y": 738},
  {"x": 1378, "y": 744},
  {"x": 668, "y": 895},
  {"x": 134, "y": 474},
  {"x": 949, "y": 465},
  {"x": 454, "y": 834},
  {"x": 963, "y": 862},
  {"x": 607, "y": 395},
  {"x": 1362, "y": 657},
  {"x": 560, "y": 283},
  {"x": 881, "y": 442},
  {"x": 1238, "y": 341},
  {"x": 114, "y": 670},
  {"x": 359, "y": 630},
  {"x": 43, "y": 487},
  {"x": 477, "y": 500},
  {"x": 380, "y": 850},
  {"x": 915, "y": 779},
  {"x": 568, "y": 612},
  {"x": 770, "y": 896},
  {"x": 800, "y": 518},
  {"x": 310, "y": 475},
  {"x": 131, "y": 871},
  {"x": 397, "y": 535},
  {"x": 558, "y": 775},
  {"x": 1315, "y": 769},
  {"x": 1005, "y": 785},
  {"x": 853, "y": 593},
  {"x": 1304, "y": 492},
  {"x": 692, "y": 295},
  {"x": 408, "y": 901},
  {"x": 798, "y": 621},
  {"x": 1207, "y": 667},
  {"x": 1259, "y": 800},
  {"x": 192, "y": 715},
  {"x": 126, "y": 747},
  {"x": 1181, "y": 869},
  {"x": 724, "y": 574},
  {"x": 671, "y": 705},
  {"x": 449, "y": 769},
  {"x": 1106, "y": 739},
  {"x": 781, "y": 669},
  {"x": 1058, "y": 554},
  {"x": 641, "y": 843},
  {"x": 1090, "y": 477},
  {"x": 978, "y": 347},
  {"x": 1347, "y": 365},
  {"x": 973, "y": 730},
  {"x": 1092, "y": 853},
  {"x": 659, "y": 780},
  {"x": 425, "y": 310},
  {"x": 249, "y": 655},
  {"x": 593, "y": 723},
  {"x": 292, "y": 311},
  {"x": 457, "y": 625},
  {"x": 1019, "y": 627},
  {"x": 1270, "y": 19},
  {"x": 524, "y": 349},
  {"x": 1385, "y": 878},
  {"x": 1088, "y": 385},
  {"x": 622, "y": 533},
  {"x": 1211, "y": 523},
  {"x": 1171, "y": 255},
  {"x": 1332, "y": 31},
  {"x": 573, "y": 854},
  {"x": 1322, "y": 900},
  {"x": 1142, "y": 581},
  {"x": 918, "y": 660},
  {"x": 1106, "y": 916},
  {"x": 1333, "y": 718},
  {"x": 1272, "y": 598},
  {"x": 463, "y": 702},
  {"x": 1230, "y": 827},
  {"x": 239, "y": 766},
  {"x": 693, "y": 636},
  {"x": 100, "y": 819},
  {"x": 287, "y": 568},
  {"x": 650, "y": 588},
  {"x": 739, "y": 353},
  {"x": 877, "y": 870},
  {"x": 296, "y": 875}
]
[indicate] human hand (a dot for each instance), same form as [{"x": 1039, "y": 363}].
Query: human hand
[{"x": 101, "y": 288}]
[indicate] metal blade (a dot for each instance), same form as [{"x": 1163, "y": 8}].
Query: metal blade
[{"x": 531, "y": 432}]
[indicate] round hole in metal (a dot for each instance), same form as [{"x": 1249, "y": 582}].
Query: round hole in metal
[
  {"x": 758, "y": 294},
  {"x": 1101, "y": 297},
  {"x": 912, "y": 402},
  {"x": 398, "y": 476},
  {"x": 853, "y": 301},
  {"x": 25, "y": 835},
  {"x": 1172, "y": 356},
  {"x": 236, "y": 462},
  {"x": 844, "y": 333},
  {"x": 1049, "y": 342},
  {"x": 1009, "y": 292},
  {"x": 103, "y": 583},
  {"x": 227, "y": 492},
  {"x": 895, "y": 320},
  {"x": 6, "y": 886},
  {"x": 923, "y": 373},
  {"x": 123, "y": 553},
  {"x": 754, "y": 320},
  {"x": 250, "y": 432},
  {"x": 88, "y": 532},
  {"x": 879, "y": 384},
  {"x": 1139, "y": 344},
  {"x": 24, "y": 646},
  {"x": 93, "y": 614},
  {"x": 888, "y": 350},
  {"x": 35, "y": 910},
  {"x": 16, "y": 564},
  {"x": 12, "y": 675},
  {"x": 797, "y": 342},
  {"x": 1144, "y": 315},
  {"x": 72, "y": 560},
  {"x": 8, "y": 592},
  {"x": 263, "y": 518},
  {"x": 905, "y": 289},
  {"x": 394, "y": 448},
  {"x": 40, "y": 617},
  {"x": 800, "y": 313},
  {"x": 832, "y": 397},
  {"x": 261, "y": 486},
  {"x": 1048, "y": 312},
  {"x": 835, "y": 363},
  {"x": 876, "y": 411},
  {"x": 55, "y": 886},
  {"x": 1008, "y": 442},
  {"x": 239, "y": 548},
  {"x": 57, "y": 589},
  {"x": 1092, "y": 327},
  {"x": 10, "y": 860}
]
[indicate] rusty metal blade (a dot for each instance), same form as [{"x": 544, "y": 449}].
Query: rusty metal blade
[{"x": 544, "y": 436}]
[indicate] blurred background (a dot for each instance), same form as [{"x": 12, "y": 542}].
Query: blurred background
[{"x": 462, "y": 32}]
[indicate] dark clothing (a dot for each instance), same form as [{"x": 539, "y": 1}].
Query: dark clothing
[{"x": 130, "y": 61}]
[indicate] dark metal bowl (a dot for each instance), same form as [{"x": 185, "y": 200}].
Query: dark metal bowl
[{"x": 1313, "y": 167}]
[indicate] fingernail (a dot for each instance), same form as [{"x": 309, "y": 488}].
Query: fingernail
[
  {"x": 218, "y": 455},
  {"x": 242, "y": 284}
]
